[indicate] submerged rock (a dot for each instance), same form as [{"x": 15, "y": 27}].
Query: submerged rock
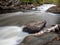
[
  {"x": 40, "y": 40},
  {"x": 34, "y": 27}
]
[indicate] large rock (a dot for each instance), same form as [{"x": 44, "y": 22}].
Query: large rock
[
  {"x": 54, "y": 9},
  {"x": 54, "y": 29},
  {"x": 7, "y": 4},
  {"x": 40, "y": 40},
  {"x": 34, "y": 26},
  {"x": 50, "y": 36}
]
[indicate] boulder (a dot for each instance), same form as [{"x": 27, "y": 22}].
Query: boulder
[
  {"x": 54, "y": 29},
  {"x": 40, "y": 40},
  {"x": 55, "y": 9},
  {"x": 57, "y": 30},
  {"x": 34, "y": 26},
  {"x": 50, "y": 36}
]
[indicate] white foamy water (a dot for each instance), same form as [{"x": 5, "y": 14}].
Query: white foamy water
[
  {"x": 10, "y": 35},
  {"x": 43, "y": 7}
]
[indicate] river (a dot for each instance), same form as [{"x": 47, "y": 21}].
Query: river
[
  {"x": 10, "y": 22},
  {"x": 21, "y": 18}
]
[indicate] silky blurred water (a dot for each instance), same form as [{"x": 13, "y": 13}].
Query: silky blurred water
[
  {"x": 10, "y": 24},
  {"x": 26, "y": 17},
  {"x": 10, "y": 35}
]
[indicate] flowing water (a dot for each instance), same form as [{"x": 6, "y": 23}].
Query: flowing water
[
  {"x": 10, "y": 22},
  {"x": 26, "y": 17},
  {"x": 8, "y": 31},
  {"x": 10, "y": 35},
  {"x": 43, "y": 7}
]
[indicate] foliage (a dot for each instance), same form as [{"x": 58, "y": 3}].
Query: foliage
[
  {"x": 40, "y": 2},
  {"x": 57, "y": 2},
  {"x": 50, "y": 1}
]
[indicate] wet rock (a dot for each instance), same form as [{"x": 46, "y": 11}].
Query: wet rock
[
  {"x": 49, "y": 37},
  {"x": 54, "y": 9},
  {"x": 40, "y": 40},
  {"x": 55, "y": 29},
  {"x": 34, "y": 26}
]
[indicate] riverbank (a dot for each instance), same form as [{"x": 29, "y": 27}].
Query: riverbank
[
  {"x": 29, "y": 7},
  {"x": 21, "y": 8}
]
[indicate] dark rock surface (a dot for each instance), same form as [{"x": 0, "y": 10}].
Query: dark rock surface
[
  {"x": 34, "y": 26},
  {"x": 57, "y": 30},
  {"x": 54, "y": 9},
  {"x": 54, "y": 43},
  {"x": 49, "y": 37},
  {"x": 44, "y": 39}
]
